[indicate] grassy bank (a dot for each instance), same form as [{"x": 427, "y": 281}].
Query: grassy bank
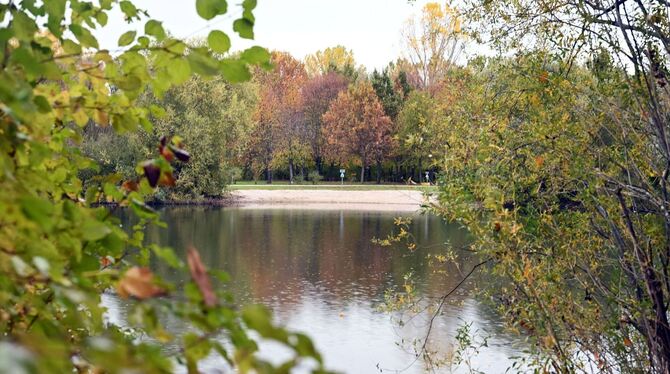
[{"x": 283, "y": 185}]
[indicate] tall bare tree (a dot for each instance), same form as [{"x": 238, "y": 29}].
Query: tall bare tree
[{"x": 433, "y": 41}]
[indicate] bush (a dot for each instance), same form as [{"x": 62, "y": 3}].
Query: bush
[{"x": 315, "y": 177}]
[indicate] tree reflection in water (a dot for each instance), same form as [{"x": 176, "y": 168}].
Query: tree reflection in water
[{"x": 320, "y": 273}]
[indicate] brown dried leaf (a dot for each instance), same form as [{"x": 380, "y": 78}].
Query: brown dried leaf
[
  {"x": 138, "y": 282},
  {"x": 167, "y": 179},
  {"x": 130, "y": 186},
  {"x": 200, "y": 277}
]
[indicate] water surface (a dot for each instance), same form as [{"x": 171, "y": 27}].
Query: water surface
[{"x": 321, "y": 274}]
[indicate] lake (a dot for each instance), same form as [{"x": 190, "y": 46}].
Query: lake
[{"x": 321, "y": 274}]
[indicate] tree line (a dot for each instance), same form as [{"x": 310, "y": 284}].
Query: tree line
[{"x": 305, "y": 120}]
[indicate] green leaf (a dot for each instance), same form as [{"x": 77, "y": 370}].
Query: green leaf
[
  {"x": 93, "y": 230},
  {"x": 23, "y": 57},
  {"x": 55, "y": 8},
  {"x": 244, "y": 27},
  {"x": 256, "y": 55},
  {"x": 155, "y": 29},
  {"x": 209, "y": 9},
  {"x": 84, "y": 36},
  {"x": 37, "y": 210},
  {"x": 305, "y": 347},
  {"x": 42, "y": 104},
  {"x": 24, "y": 27},
  {"x": 202, "y": 64},
  {"x": 101, "y": 17},
  {"x": 197, "y": 348},
  {"x": 234, "y": 71},
  {"x": 218, "y": 41},
  {"x": 71, "y": 47},
  {"x": 157, "y": 111},
  {"x": 168, "y": 255},
  {"x": 127, "y": 38},
  {"x": 249, "y": 5},
  {"x": 129, "y": 83},
  {"x": 143, "y": 41},
  {"x": 128, "y": 9},
  {"x": 259, "y": 318},
  {"x": 179, "y": 70}
]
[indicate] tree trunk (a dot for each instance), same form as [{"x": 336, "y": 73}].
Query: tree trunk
[
  {"x": 420, "y": 179},
  {"x": 362, "y": 171},
  {"x": 268, "y": 174},
  {"x": 290, "y": 170},
  {"x": 319, "y": 165},
  {"x": 379, "y": 172}
]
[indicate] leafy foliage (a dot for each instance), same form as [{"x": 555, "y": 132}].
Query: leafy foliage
[
  {"x": 355, "y": 127},
  {"x": 336, "y": 59},
  {"x": 280, "y": 136},
  {"x": 557, "y": 164},
  {"x": 59, "y": 251},
  {"x": 433, "y": 42}
]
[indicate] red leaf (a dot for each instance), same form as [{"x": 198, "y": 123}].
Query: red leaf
[
  {"x": 166, "y": 153},
  {"x": 200, "y": 277}
]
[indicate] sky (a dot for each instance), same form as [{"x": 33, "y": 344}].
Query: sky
[{"x": 371, "y": 28}]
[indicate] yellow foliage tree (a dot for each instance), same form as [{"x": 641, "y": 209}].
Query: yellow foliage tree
[
  {"x": 338, "y": 58},
  {"x": 433, "y": 41}
]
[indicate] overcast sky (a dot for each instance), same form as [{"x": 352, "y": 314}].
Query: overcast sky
[{"x": 371, "y": 28}]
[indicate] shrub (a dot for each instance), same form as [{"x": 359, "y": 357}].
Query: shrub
[{"x": 315, "y": 177}]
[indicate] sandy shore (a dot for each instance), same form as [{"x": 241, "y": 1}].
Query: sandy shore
[{"x": 392, "y": 200}]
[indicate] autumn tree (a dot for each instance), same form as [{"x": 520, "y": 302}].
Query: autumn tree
[
  {"x": 333, "y": 59},
  {"x": 558, "y": 166},
  {"x": 356, "y": 128},
  {"x": 318, "y": 93},
  {"x": 280, "y": 136},
  {"x": 433, "y": 42}
]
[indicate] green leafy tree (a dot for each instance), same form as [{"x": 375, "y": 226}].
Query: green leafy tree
[
  {"x": 59, "y": 250},
  {"x": 214, "y": 118},
  {"x": 387, "y": 93}
]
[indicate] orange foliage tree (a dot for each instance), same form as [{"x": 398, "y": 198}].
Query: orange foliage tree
[
  {"x": 280, "y": 136},
  {"x": 318, "y": 93},
  {"x": 355, "y": 128}
]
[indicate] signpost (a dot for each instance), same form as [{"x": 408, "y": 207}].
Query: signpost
[
  {"x": 342, "y": 176},
  {"x": 427, "y": 176}
]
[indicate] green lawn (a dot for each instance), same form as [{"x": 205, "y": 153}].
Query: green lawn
[{"x": 283, "y": 185}]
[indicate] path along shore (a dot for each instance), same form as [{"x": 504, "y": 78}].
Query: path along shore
[{"x": 391, "y": 200}]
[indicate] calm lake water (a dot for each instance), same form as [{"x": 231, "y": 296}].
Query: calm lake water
[{"x": 320, "y": 273}]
